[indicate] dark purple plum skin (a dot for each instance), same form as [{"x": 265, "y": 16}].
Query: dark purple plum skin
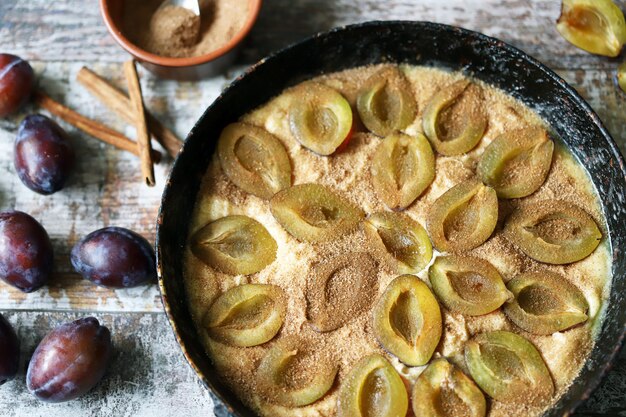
[
  {"x": 9, "y": 351},
  {"x": 16, "y": 83},
  {"x": 115, "y": 257},
  {"x": 42, "y": 155},
  {"x": 69, "y": 361},
  {"x": 25, "y": 251}
]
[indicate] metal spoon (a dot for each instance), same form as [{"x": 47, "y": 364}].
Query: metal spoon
[{"x": 192, "y": 5}]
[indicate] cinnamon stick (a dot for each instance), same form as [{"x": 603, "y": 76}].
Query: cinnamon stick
[
  {"x": 87, "y": 125},
  {"x": 118, "y": 102},
  {"x": 143, "y": 138}
]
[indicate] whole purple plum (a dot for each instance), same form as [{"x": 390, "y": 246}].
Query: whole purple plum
[
  {"x": 16, "y": 83},
  {"x": 69, "y": 361},
  {"x": 9, "y": 351},
  {"x": 25, "y": 251},
  {"x": 43, "y": 156},
  {"x": 114, "y": 257}
]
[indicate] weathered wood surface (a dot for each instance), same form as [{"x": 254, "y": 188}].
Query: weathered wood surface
[
  {"x": 60, "y": 30},
  {"x": 146, "y": 377},
  {"x": 105, "y": 189},
  {"x": 149, "y": 376}
]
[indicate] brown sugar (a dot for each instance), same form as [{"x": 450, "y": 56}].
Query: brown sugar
[
  {"x": 173, "y": 28},
  {"x": 176, "y": 32},
  {"x": 340, "y": 289}
]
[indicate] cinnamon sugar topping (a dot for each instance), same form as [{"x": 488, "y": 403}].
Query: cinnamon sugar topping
[{"x": 302, "y": 269}]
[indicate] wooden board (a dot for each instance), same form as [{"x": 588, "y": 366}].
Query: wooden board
[
  {"x": 149, "y": 376},
  {"x": 66, "y": 29},
  {"x": 146, "y": 377}
]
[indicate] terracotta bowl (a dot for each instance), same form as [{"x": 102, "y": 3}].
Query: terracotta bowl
[
  {"x": 186, "y": 69},
  {"x": 418, "y": 43}
]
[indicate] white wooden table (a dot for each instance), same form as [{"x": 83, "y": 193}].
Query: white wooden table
[{"x": 149, "y": 376}]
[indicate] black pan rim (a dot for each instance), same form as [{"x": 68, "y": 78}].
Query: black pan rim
[{"x": 267, "y": 61}]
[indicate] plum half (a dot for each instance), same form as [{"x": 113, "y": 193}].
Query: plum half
[
  {"x": 314, "y": 213},
  {"x": 282, "y": 381},
  {"x": 320, "y": 118},
  {"x": 468, "y": 285},
  {"x": 402, "y": 168},
  {"x": 545, "y": 302},
  {"x": 463, "y": 217},
  {"x": 402, "y": 238},
  {"x": 386, "y": 103},
  {"x": 407, "y": 320},
  {"x": 454, "y": 120},
  {"x": 234, "y": 245},
  {"x": 517, "y": 162},
  {"x": 508, "y": 368},
  {"x": 597, "y": 26},
  {"x": 254, "y": 160},
  {"x": 443, "y": 390},
  {"x": 553, "y": 231},
  {"x": 372, "y": 388},
  {"x": 246, "y": 315}
]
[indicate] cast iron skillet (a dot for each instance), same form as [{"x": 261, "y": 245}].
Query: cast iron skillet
[{"x": 420, "y": 43}]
